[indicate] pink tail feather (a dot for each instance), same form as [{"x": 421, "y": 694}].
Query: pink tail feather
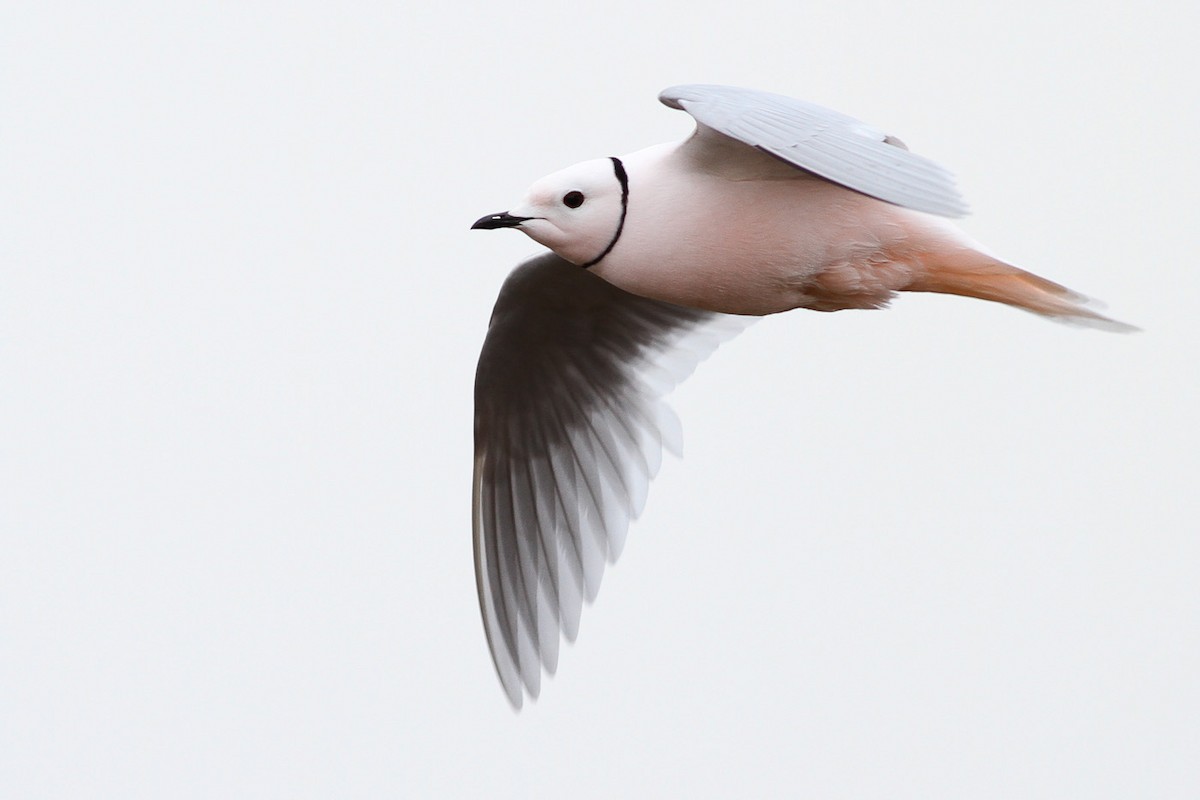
[{"x": 972, "y": 274}]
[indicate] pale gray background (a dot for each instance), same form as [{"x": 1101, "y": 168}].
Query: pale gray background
[{"x": 947, "y": 550}]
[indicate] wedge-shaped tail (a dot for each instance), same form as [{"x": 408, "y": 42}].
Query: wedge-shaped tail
[{"x": 970, "y": 273}]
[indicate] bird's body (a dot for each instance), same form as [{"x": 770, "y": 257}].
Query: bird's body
[
  {"x": 772, "y": 204},
  {"x": 759, "y": 237}
]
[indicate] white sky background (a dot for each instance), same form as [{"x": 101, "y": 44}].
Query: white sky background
[{"x": 947, "y": 550}]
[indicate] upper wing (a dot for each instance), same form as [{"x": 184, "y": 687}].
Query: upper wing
[
  {"x": 569, "y": 430},
  {"x": 832, "y": 145}
]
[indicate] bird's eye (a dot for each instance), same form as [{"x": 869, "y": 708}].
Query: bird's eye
[{"x": 573, "y": 199}]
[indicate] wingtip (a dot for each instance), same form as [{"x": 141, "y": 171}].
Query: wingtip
[
  {"x": 676, "y": 96},
  {"x": 669, "y": 97},
  {"x": 516, "y": 698}
]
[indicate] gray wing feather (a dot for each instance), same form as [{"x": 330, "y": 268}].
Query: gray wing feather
[
  {"x": 569, "y": 431},
  {"x": 825, "y": 142}
]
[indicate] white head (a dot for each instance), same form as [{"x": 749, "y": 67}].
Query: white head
[{"x": 577, "y": 212}]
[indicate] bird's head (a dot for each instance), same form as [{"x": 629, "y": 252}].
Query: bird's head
[{"x": 577, "y": 212}]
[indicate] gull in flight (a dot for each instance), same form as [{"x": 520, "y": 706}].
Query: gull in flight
[{"x": 656, "y": 258}]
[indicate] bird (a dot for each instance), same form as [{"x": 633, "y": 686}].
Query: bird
[{"x": 653, "y": 260}]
